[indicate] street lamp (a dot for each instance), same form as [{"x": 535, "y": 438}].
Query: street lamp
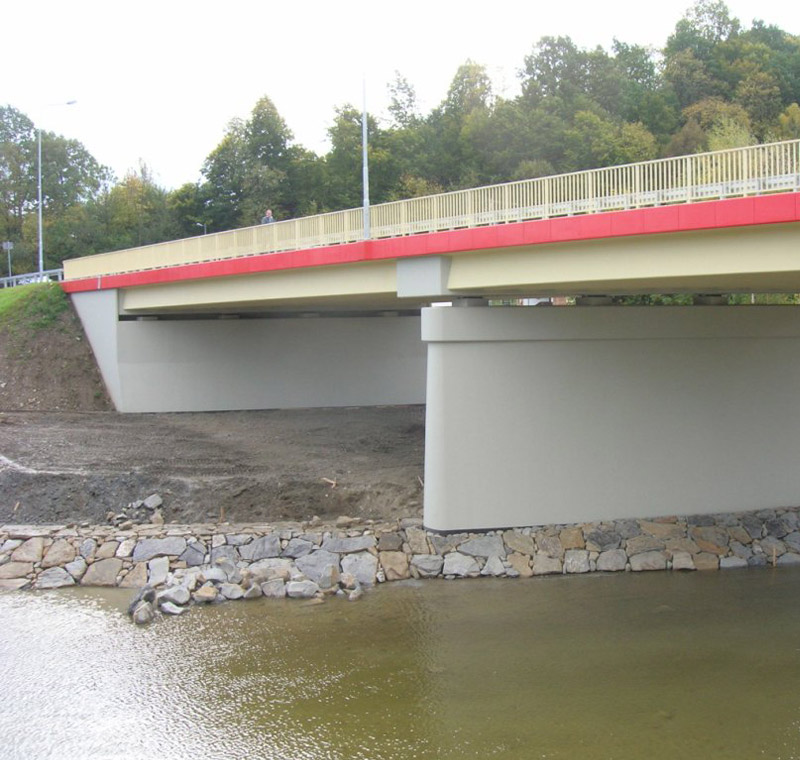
[
  {"x": 39, "y": 185},
  {"x": 201, "y": 224},
  {"x": 8, "y": 246}
]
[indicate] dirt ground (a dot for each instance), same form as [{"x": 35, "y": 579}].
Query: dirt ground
[
  {"x": 259, "y": 466},
  {"x": 65, "y": 456}
]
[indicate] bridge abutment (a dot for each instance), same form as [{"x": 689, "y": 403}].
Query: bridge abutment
[
  {"x": 264, "y": 362},
  {"x": 562, "y": 415}
]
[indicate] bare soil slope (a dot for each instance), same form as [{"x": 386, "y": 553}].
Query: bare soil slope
[{"x": 65, "y": 456}]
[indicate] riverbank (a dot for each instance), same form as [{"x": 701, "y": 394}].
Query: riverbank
[{"x": 211, "y": 562}]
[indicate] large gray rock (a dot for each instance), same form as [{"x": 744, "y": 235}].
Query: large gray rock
[
  {"x": 147, "y": 548},
  {"x": 301, "y": 589},
  {"x": 136, "y": 577},
  {"x": 194, "y": 555},
  {"x": 88, "y": 548},
  {"x": 267, "y": 569},
  {"x": 76, "y": 568},
  {"x": 519, "y": 542},
  {"x": 143, "y": 613},
  {"x": 175, "y": 595},
  {"x": 30, "y": 551},
  {"x": 54, "y": 577},
  {"x": 729, "y": 563},
  {"x": 349, "y": 545},
  {"x": 15, "y": 570},
  {"x": 252, "y": 592},
  {"x": 231, "y": 591},
  {"x": 232, "y": 572},
  {"x": 441, "y": 544},
  {"x": 59, "y": 554},
  {"x": 261, "y": 548},
  {"x": 793, "y": 541},
  {"x": 170, "y": 608},
  {"x": 652, "y": 560},
  {"x": 363, "y": 566},
  {"x": 641, "y": 544},
  {"x": 612, "y": 561},
  {"x": 225, "y": 552},
  {"x": 157, "y": 571},
  {"x": 460, "y": 565},
  {"x": 551, "y": 546},
  {"x": 494, "y": 567},
  {"x": 603, "y": 539},
  {"x": 427, "y": 565},
  {"x": 788, "y": 559},
  {"x": 317, "y": 565},
  {"x": 682, "y": 561},
  {"x": 484, "y": 546},
  {"x": 576, "y": 561},
  {"x": 154, "y": 501},
  {"x": 297, "y": 547},
  {"x": 544, "y": 564},
  {"x": 274, "y": 589},
  {"x": 103, "y": 572}
]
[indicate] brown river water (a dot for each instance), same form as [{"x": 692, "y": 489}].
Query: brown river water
[{"x": 629, "y": 666}]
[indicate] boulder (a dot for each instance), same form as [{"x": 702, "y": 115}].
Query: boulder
[
  {"x": 427, "y": 565},
  {"x": 301, "y": 589},
  {"x": 349, "y": 545},
  {"x": 143, "y": 613},
  {"x": 651, "y": 560},
  {"x": 54, "y": 577},
  {"x": 59, "y": 554},
  {"x": 262, "y": 548},
  {"x": 484, "y": 546},
  {"x": 147, "y": 548},
  {"x": 363, "y": 566},
  {"x": 29, "y": 551},
  {"x": 576, "y": 561},
  {"x": 103, "y": 572},
  {"x": 394, "y": 564},
  {"x": 612, "y": 560},
  {"x": 460, "y": 565}
]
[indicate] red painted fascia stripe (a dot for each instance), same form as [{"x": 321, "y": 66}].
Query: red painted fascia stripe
[{"x": 709, "y": 215}]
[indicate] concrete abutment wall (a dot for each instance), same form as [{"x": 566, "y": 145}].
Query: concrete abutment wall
[{"x": 264, "y": 363}]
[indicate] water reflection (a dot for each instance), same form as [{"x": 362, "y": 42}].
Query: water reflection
[{"x": 632, "y": 666}]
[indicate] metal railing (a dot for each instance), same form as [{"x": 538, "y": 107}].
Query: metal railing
[
  {"x": 50, "y": 275},
  {"x": 754, "y": 170}
]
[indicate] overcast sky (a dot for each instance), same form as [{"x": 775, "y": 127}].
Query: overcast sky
[{"x": 158, "y": 81}]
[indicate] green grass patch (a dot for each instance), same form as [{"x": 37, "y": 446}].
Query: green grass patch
[{"x": 32, "y": 306}]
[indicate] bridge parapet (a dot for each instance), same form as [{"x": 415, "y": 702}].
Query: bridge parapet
[{"x": 740, "y": 172}]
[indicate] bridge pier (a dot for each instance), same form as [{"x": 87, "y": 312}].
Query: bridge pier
[
  {"x": 559, "y": 415},
  {"x": 253, "y": 362}
]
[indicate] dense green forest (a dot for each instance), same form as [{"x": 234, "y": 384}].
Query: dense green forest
[{"x": 714, "y": 85}]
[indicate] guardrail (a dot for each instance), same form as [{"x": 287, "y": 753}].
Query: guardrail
[
  {"x": 50, "y": 275},
  {"x": 754, "y": 170}
]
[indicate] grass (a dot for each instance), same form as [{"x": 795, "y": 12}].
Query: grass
[{"x": 33, "y": 306}]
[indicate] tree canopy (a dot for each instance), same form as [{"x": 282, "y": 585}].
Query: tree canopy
[{"x": 715, "y": 84}]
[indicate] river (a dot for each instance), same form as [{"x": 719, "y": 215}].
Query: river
[{"x": 629, "y": 666}]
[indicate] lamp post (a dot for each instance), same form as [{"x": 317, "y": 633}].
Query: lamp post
[
  {"x": 201, "y": 224},
  {"x": 39, "y": 187},
  {"x": 8, "y": 246},
  {"x": 365, "y": 164}
]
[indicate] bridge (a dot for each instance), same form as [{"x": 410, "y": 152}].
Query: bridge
[{"x": 535, "y": 414}]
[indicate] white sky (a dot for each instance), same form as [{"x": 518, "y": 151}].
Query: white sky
[{"x": 159, "y": 81}]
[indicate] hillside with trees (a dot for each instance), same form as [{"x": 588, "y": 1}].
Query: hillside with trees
[{"x": 714, "y": 85}]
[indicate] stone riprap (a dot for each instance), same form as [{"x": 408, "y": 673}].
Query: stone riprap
[{"x": 205, "y": 563}]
